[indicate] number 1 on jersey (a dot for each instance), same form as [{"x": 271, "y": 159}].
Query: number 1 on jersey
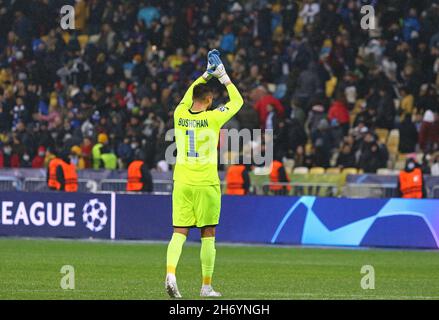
[{"x": 191, "y": 153}]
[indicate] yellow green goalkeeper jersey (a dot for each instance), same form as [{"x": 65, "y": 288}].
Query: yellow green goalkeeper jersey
[{"x": 197, "y": 134}]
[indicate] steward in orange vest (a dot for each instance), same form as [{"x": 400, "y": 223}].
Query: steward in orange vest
[
  {"x": 62, "y": 176},
  {"x": 237, "y": 180},
  {"x": 411, "y": 181},
  {"x": 139, "y": 177},
  {"x": 279, "y": 175}
]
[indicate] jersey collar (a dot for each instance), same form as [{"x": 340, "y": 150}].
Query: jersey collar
[{"x": 193, "y": 112}]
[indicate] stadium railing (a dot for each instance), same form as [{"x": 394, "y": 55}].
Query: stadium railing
[
  {"x": 119, "y": 185},
  {"x": 9, "y": 184},
  {"x": 303, "y": 189},
  {"x": 40, "y": 185},
  {"x": 162, "y": 186},
  {"x": 434, "y": 193},
  {"x": 369, "y": 190},
  {"x": 116, "y": 185}
]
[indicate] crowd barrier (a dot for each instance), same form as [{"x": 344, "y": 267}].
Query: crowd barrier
[
  {"x": 321, "y": 185},
  {"x": 305, "y": 220}
]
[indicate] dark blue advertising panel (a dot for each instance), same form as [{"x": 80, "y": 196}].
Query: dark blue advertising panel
[
  {"x": 401, "y": 223},
  {"x": 307, "y": 220},
  {"x": 146, "y": 217},
  {"x": 55, "y": 214}
]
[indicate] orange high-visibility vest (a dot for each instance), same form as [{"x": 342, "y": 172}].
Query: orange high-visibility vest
[
  {"x": 234, "y": 180},
  {"x": 411, "y": 183},
  {"x": 274, "y": 177},
  {"x": 52, "y": 182},
  {"x": 70, "y": 177},
  {"x": 135, "y": 176}
]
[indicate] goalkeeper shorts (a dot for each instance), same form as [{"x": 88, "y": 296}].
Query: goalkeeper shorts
[{"x": 195, "y": 206}]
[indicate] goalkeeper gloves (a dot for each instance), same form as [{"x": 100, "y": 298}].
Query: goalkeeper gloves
[
  {"x": 210, "y": 65},
  {"x": 217, "y": 68}
]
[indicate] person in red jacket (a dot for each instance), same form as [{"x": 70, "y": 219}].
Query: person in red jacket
[
  {"x": 38, "y": 160},
  {"x": 9, "y": 158},
  {"x": 339, "y": 111},
  {"x": 261, "y": 108}
]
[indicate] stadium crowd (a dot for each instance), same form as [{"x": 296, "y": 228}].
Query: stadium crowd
[{"x": 334, "y": 94}]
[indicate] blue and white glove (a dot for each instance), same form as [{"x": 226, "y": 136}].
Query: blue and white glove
[
  {"x": 210, "y": 66},
  {"x": 217, "y": 68}
]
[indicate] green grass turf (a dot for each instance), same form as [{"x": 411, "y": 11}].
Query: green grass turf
[{"x": 30, "y": 269}]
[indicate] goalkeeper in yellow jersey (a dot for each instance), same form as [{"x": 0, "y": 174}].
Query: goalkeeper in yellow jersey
[{"x": 196, "y": 198}]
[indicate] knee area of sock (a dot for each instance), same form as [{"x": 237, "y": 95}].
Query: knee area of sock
[
  {"x": 208, "y": 240},
  {"x": 178, "y": 237}
]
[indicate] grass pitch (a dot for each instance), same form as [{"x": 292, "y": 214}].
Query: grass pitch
[{"x": 30, "y": 269}]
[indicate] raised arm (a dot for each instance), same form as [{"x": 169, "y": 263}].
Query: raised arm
[{"x": 225, "y": 113}]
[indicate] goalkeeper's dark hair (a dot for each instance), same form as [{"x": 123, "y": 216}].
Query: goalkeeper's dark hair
[{"x": 201, "y": 91}]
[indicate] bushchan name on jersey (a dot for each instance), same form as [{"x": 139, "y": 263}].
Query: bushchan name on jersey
[{"x": 190, "y": 123}]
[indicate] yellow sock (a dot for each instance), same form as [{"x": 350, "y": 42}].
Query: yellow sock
[
  {"x": 207, "y": 281},
  {"x": 174, "y": 251},
  {"x": 207, "y": 256}
]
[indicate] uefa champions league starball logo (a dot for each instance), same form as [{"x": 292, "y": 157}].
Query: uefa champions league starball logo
[{"x": 94, "y": 215}]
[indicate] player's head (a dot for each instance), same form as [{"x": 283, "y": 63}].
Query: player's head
[{"x": 203, "y": 95}]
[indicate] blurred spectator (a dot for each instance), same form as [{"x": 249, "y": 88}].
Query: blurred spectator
[
  {"x": 308, "y": 85},
  {"x": 435, "y": 166},
  {"x": 408, "y": 135},
  {"x": 427, "y": 100},
  {"x": 123, "y": 70},
  {"x": 139, "y": 177},
  {"x": 81, "y": 14},
  {"x": 38, "y": 160},
  {"x": 411, "y": 26},
  {"x": 370, "y": 155},
  {"x": 315, "y": 117},
  {"x": 385, "y": 109},
  {"x": 346, "y": 158},
  {"x": 227, "y": 44},
  {"x": 108, "y": 160},
  {"x": 262, "y": 107},
  {"x": 86, "y": 152},
  {"x": 370, "y": 159},
  {"x": 299, "y": 156},
  {"x": 125, "y": 153},
  {"x": 323, "y": 143},
  {"x": 367, "y": 117},
  {"x": 407, "y": 103},
  {"x": 237, "y": 180},
  {"x": 278, "y": 178},
  {"x": 25, "y": 161},
  {"x": 339, "y": 111},
  {"x": 271, "y": 122},
  {"x": 295, "y": 136},
  {"x": 411, "y": 181},
  {"x": 9, "y": 158},
  {"x": 76, "y": 157},
  {"x": 148, "y": 13},
  {"x": 297, "y": 113},
  {"x": 429, "y": 132},
  {"x": 97, "y": 150}
]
